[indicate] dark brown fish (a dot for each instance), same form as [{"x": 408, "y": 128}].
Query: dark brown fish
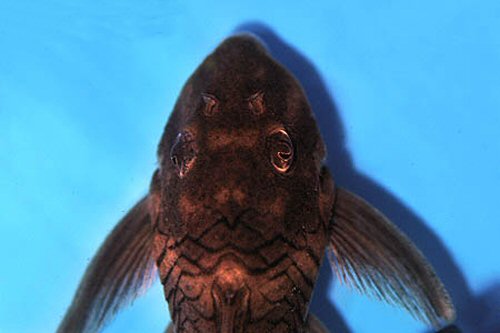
[{"x": 240, "y": 212}]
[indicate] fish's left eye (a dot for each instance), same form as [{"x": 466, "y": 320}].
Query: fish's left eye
[
  {"x": 183, "y": 152},
  {"x": 281, "y": 150}
]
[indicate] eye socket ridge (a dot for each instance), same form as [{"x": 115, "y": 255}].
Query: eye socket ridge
[
  {"x": 281, "y": 150},
  {"x": 183, "y": 152}
]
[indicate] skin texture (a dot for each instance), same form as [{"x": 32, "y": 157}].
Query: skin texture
[{"x": 240, "y": 212}]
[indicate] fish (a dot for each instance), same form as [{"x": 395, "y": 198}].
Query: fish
[{"x": 241, "y": 212}]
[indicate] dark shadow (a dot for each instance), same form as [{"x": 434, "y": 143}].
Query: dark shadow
[
  {"x": 321, "y": 305},
  {"x": 469, "y": 308},
  {"x": 449, "y": 329},
  {"x": 483, "y": 314},
  {"x": 489, "y": 319}
]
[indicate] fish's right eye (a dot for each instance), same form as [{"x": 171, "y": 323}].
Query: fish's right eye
[
  {"x": 281, "y": 150},
  {"x": 183, "y": 153}
]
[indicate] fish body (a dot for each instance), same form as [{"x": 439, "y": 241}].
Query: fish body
[
  {"x": 240, "y": 212},
  {"x": 240, "y": 242}
]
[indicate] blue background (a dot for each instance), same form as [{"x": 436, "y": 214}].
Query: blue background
[{"x": 407, "y": 97}]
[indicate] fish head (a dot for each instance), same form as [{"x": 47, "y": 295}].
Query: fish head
[{"x": 241, "y": 143}]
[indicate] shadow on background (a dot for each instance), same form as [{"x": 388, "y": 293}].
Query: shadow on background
[{"x": 479, "y": 314}]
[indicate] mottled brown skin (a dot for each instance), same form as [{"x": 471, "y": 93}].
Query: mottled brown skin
[
  {"x": 240, "y": 212},
  {"x": 238, "y": 243}
]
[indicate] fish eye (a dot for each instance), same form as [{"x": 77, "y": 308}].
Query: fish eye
[
  {"x": 183, "y": 153},
  {"x": 281, "y": 150}
]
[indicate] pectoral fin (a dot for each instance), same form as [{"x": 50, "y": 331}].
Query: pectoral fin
[
  {"x": 122, "y": 268},
  {"x": 370, "y": 253}
]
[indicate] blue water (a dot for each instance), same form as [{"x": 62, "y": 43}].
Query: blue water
[{"x": 407, "y": 95}]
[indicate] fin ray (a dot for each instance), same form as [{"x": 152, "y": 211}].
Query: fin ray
[
  {"x": 369, "y": 252},
  {"x": 121, "y": 270}
]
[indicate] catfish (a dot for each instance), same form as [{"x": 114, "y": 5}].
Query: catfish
[{"x": 241, "y": 211}]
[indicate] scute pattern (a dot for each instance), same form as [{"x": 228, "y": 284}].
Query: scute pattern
[{"x": 276, "y": 277}]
